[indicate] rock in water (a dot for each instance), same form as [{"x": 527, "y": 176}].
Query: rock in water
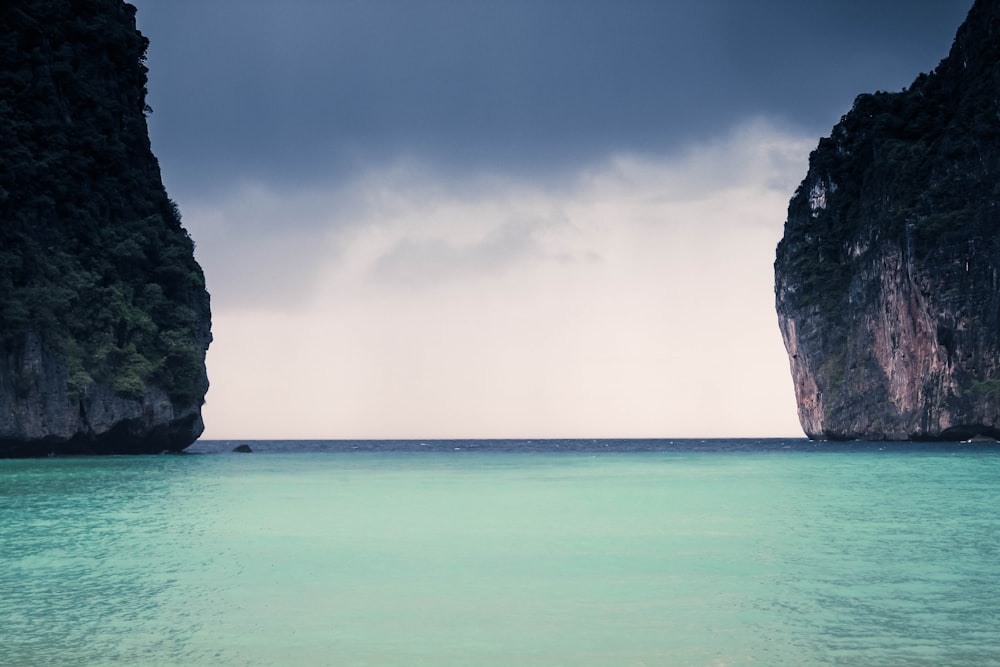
[
  {"x": 887, "y": 280},
  {"x": 104, "y": 316}
]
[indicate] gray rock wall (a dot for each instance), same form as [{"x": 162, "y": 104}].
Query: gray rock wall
[
  {"x": 41, "y": 415},
  {"x": 886, "y": 279}
]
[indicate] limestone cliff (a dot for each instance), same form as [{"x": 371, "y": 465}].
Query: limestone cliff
[
  {"x": 104, "y": 316},
  {"x": 887, "y": 279}
]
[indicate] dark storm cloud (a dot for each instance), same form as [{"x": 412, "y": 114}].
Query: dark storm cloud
[
  {"x": 286, "y": 91},
  {"x": 509, "y": 216}
]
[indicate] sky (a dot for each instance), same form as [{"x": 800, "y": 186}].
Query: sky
[{"x": 505, "y": 218}]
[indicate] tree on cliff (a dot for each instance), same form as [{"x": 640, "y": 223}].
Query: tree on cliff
[{"x": 94, "y": 262}]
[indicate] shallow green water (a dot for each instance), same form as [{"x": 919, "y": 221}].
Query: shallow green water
[{"x": 448, "y": 559}]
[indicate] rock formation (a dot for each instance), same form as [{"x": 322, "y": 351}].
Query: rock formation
[
  {"x": 104, "y": 316},
  {"x": 887, "y": 279}
]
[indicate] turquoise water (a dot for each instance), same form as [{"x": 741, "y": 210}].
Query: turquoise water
[{"x": 451, "y": 558}]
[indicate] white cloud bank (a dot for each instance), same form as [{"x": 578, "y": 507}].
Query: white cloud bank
[{"x": 633, "y": 299}]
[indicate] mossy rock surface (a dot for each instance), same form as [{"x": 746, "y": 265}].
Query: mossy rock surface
[{"x": 98, "y": 280}]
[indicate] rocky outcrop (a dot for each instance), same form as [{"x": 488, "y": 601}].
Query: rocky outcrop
[
  {"x": 40, "y": 415},
  {"x": 887, "y": 279},
  {"x": 104, "y": 316}
]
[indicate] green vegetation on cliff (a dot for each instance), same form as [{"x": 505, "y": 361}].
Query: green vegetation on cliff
[
  {"x": 93, "y": 258},
  {"x": 914, "y": 168}
]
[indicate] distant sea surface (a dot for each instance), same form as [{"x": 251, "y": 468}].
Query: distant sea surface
[{"x": 514, "y": 553}]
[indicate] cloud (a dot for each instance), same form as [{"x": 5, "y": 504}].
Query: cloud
[
  {"x": 517, "y": 218},
  {"x": 634, "y": 299},
  {"x": 285, "y": 91}
]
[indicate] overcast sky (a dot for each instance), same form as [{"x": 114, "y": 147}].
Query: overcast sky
[{"x": 471, "y": 218}]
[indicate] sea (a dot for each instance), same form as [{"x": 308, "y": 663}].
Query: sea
[{"x": 505, "y": 553}]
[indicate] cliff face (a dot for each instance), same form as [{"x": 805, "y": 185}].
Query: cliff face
[
  {"x": 104, "y": 316},
  {"x": 886, "y": 279}
]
